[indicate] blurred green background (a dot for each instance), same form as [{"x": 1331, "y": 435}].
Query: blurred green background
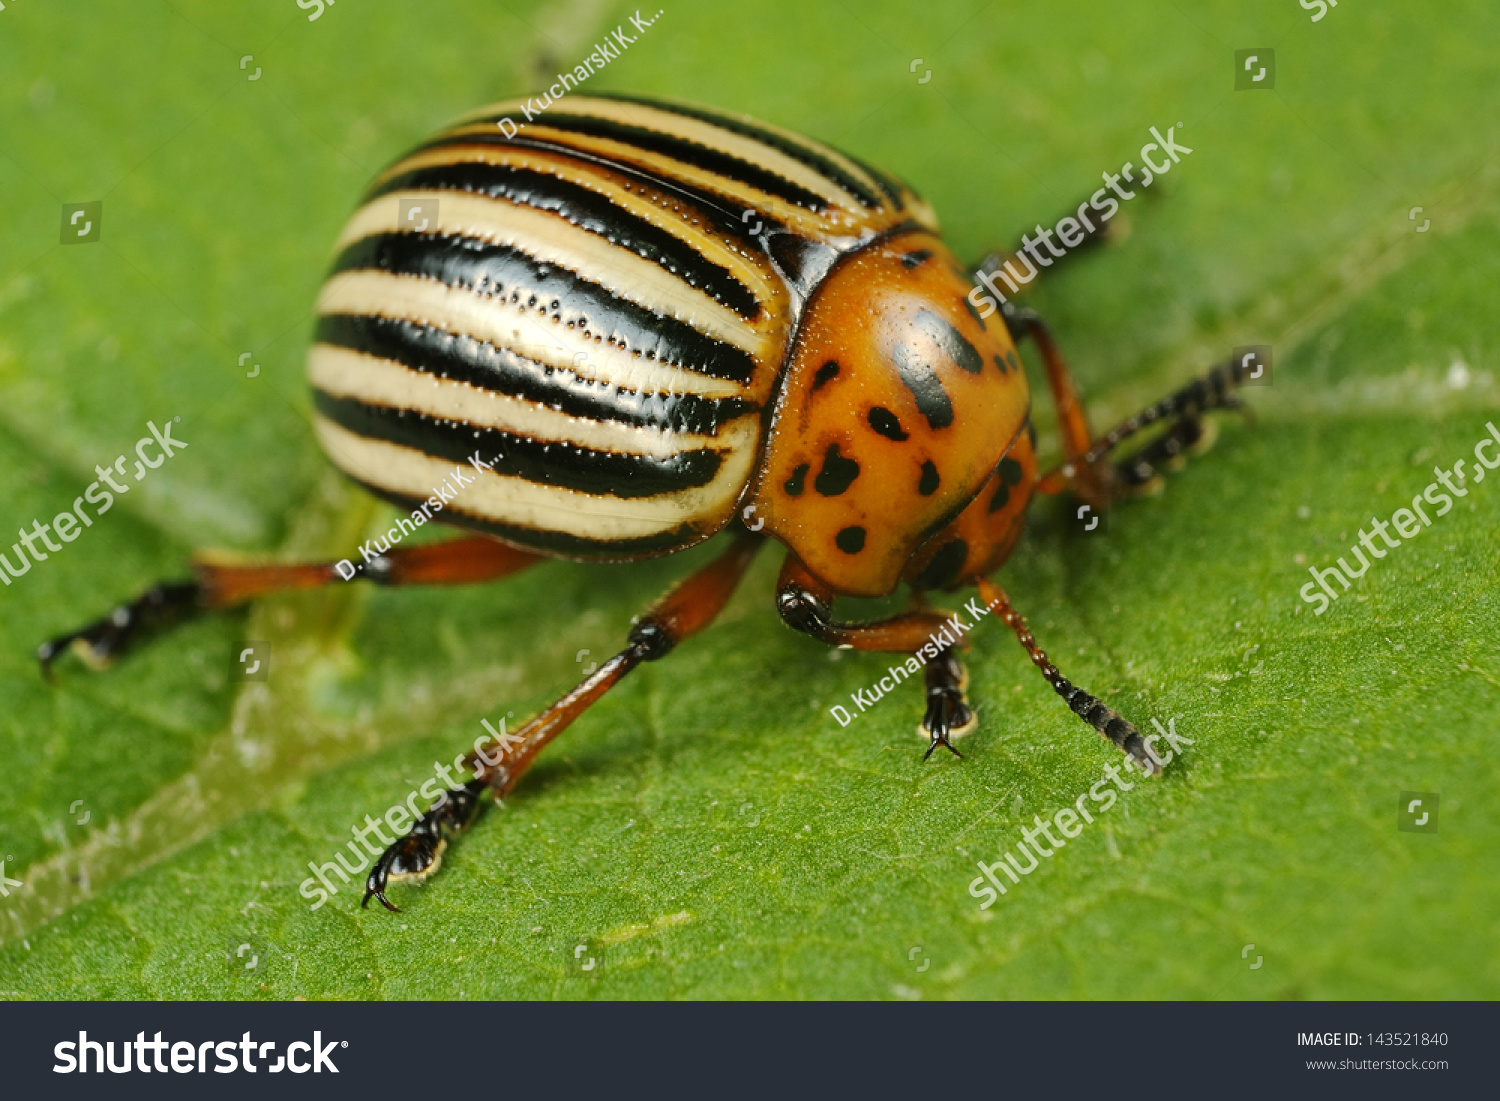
[{"x": 709, "y": 830}]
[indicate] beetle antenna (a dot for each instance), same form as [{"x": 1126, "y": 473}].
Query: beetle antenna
[{"x": 1103, "y": 718}]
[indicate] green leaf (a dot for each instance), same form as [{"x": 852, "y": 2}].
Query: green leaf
[{"x": 709, "y": 829}]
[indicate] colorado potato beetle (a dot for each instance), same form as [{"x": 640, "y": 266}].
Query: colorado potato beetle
[{"x": 630, "y": 325}]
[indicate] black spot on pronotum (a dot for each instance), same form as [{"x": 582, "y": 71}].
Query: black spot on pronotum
[
  {"x": 953, "y": 343},
  {"x": 930, "y": 480},
  {"x": 1010, "y": 357},
  {"x": 974, "y": 313},
  {"x": 793, "y": 485},
  {"x": 1010, "y": 471},
  {"x": 838, "y": 473},
  {"x": 1001, "y": 497},
  {"x": 912, "y": 259},
  {"x": 1000, "y": 363},
  {"x": 1031, "y": 433},
  {"x": 851, "y": 540},
  {"x": 826, "y": 374},
  {"x": 945, "y": 564},
  {"x": 919, "y": 377},
  {"x": 885, "y": 422}
]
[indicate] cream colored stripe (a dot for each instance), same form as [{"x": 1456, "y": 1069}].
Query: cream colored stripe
[
  {"x": 349, "y": 374},
  {"x": 456, "y": 310},
  {"x": 554, "y": 240},
  {"x": 746, "y": 148},
  {"x": 751, "y": 271},
  {"x": 509, "y": 500}
]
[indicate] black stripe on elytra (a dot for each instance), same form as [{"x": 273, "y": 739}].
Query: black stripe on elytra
[
  {"x": 687, "y": 152},
  {"x": 804, "y": 154},
  {"x": 554, "y": 543},
  {"x": 500, "y": 271},
  {"x": 953, "y": 343},
  {"x": 589, "y": 211},
  {"x": 883, "y": 180},
  {"x": 932, "y": 400},
  {"x": 718, "y": 214},
  {"x": 1009, "y": 473},
  {"x": 442, "y": 354},
  {"x": 560, "y": 463}
]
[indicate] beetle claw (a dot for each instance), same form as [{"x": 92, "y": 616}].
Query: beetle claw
[
  {"x": 420, "y": 852},
  {"x": 948, "y": 713}
]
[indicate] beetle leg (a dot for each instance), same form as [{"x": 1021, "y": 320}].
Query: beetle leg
[
  {"x": 948, "y": 711},
  {"x": 1139, "y": 473},
  {"x": 806, "y": 604},
  {"x": 688, "y": 607},
  {"x": 99, "y": 643},
  {"x": 223, "y": 584},
  {"x": 1106, "y": 720},
  {"x": 1092, "y": 481},
  {"x": 420, "y": 852}
]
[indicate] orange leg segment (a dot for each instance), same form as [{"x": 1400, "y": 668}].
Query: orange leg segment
[
  {"x": 500, "y": 763},
  {"x": 806, "y": 604}
]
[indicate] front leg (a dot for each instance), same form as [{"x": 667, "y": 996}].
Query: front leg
[
  {"x": 948, "y": 711},
  {"x": 806, "y": 604}
]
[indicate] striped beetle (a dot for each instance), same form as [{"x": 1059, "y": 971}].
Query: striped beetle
[{"x": 641, "y": 324}]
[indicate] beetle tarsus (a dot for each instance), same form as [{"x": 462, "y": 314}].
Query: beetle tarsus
[
  {"x": 420, "y": 852},
  {"x": 101, "y": 642},
  {"x": 1141, "y": 471},
  {"x": 948, "y": 712}
]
